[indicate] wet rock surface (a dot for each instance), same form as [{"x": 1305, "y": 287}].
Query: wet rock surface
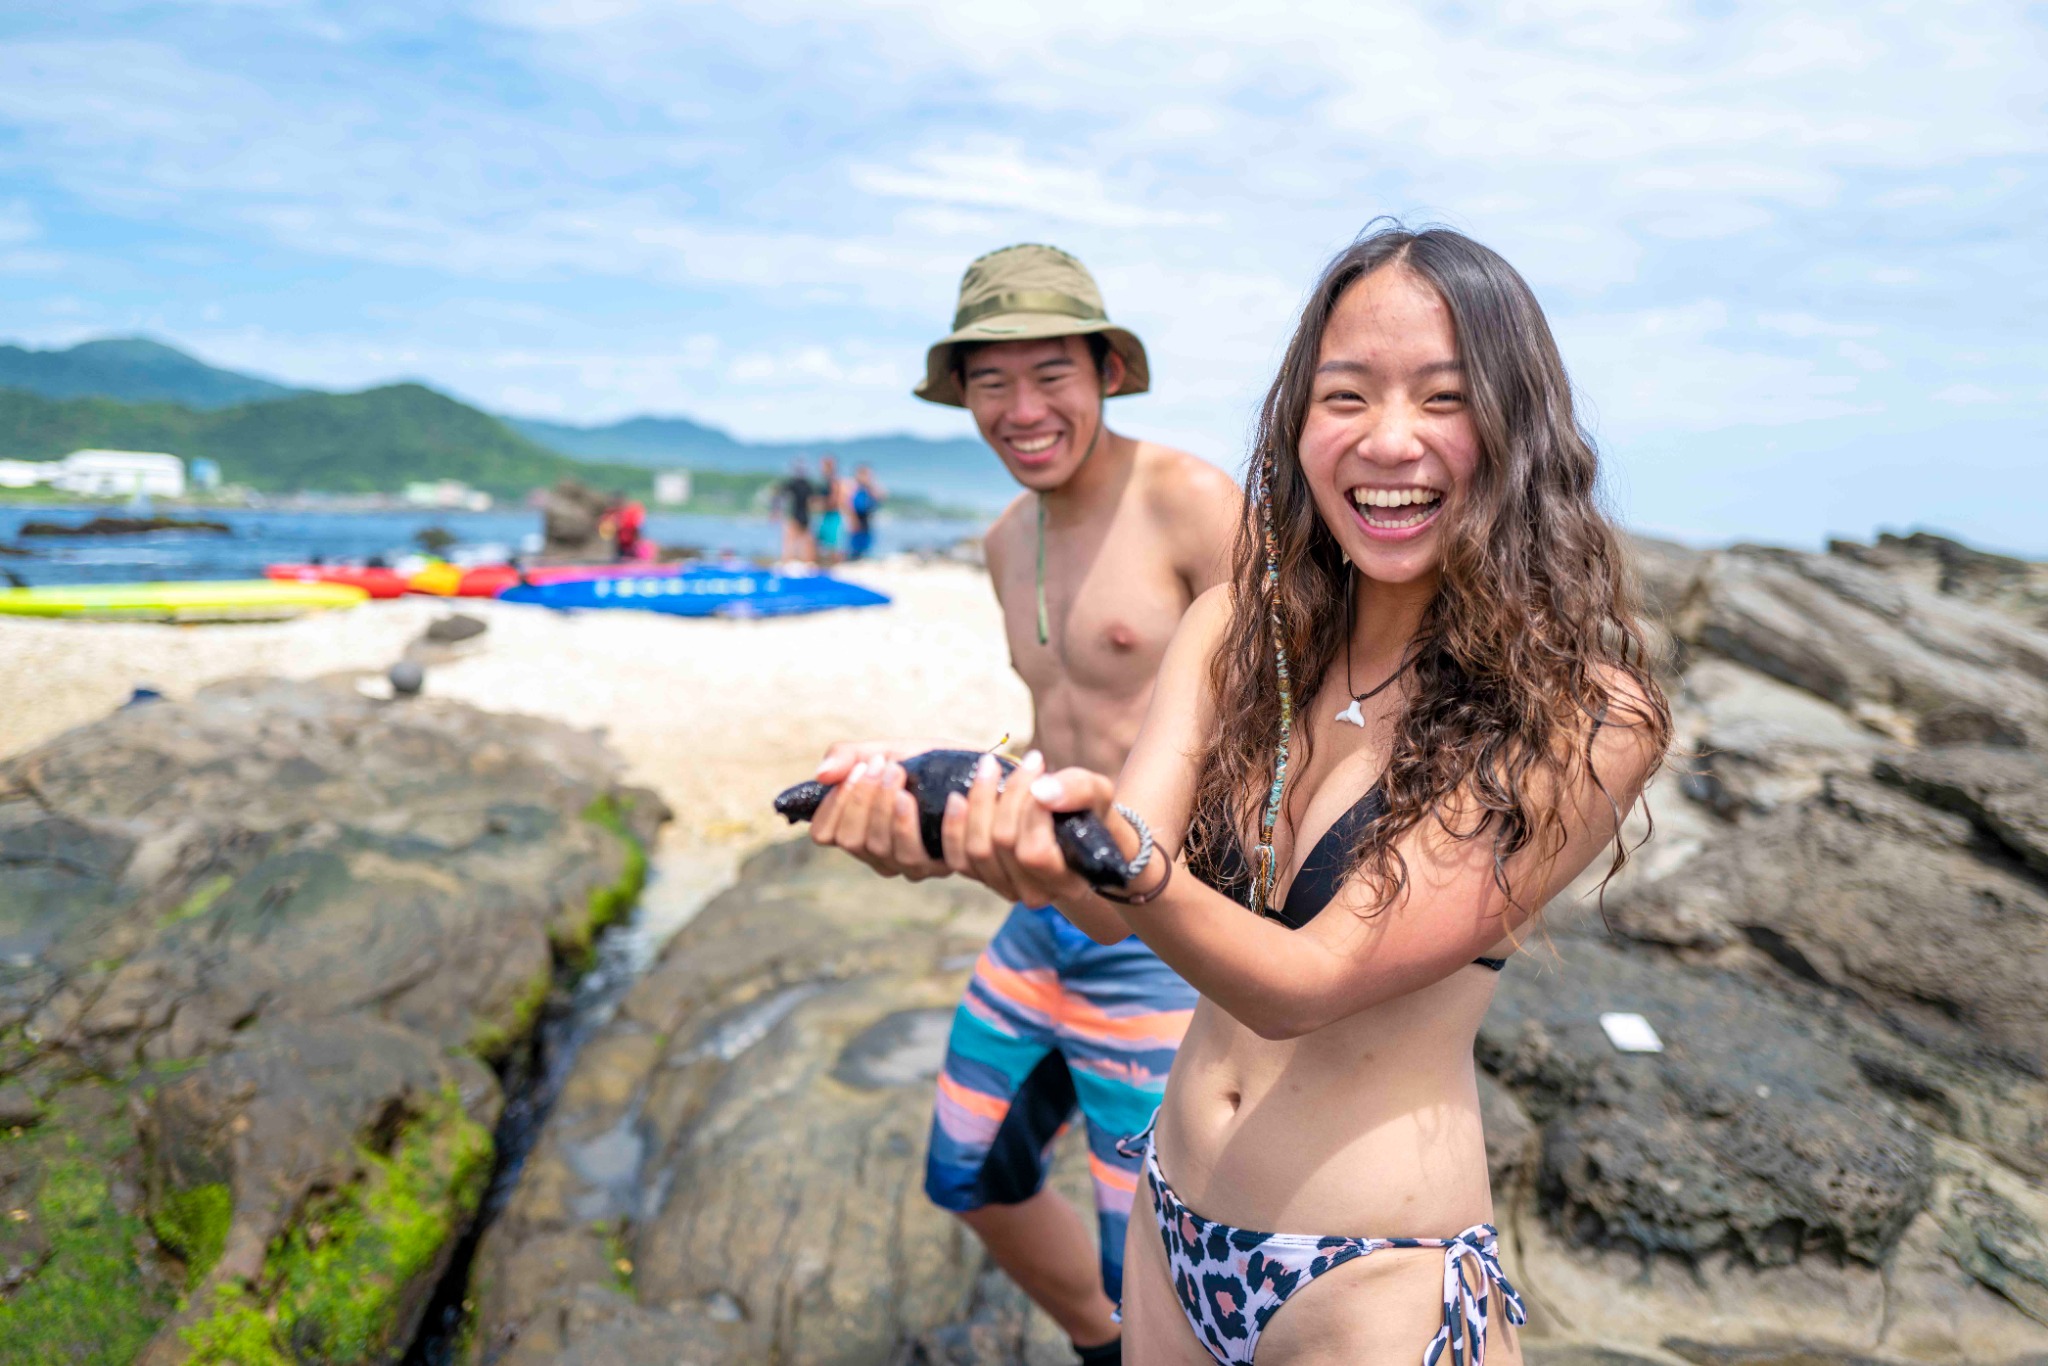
[
  {"x": 735, "y": 1167},
  {"x": 256, "y": 951}
]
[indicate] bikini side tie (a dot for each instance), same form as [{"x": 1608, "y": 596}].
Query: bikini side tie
[{"x": 1465, "y": 1307}]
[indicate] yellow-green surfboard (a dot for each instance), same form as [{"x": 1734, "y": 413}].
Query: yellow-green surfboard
[{"x": 228, "y": 600}]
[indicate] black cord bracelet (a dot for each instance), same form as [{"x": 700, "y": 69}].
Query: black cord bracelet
[{"x": 1139, "y": 898}]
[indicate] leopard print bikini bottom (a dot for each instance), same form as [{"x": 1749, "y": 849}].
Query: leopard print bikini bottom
[{"x": 1231, "y": 1281}]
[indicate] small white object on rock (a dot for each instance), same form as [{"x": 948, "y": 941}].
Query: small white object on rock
[{"x": 1630, "y": 1033}]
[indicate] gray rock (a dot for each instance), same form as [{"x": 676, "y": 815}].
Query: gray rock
[
  {"x": 1944, "y": 565},
  {"x": 2003, "y": 791},
  {"x": 253, "y": 949},
  {"x": 571, "y": 516},
  {"x": 1874, "y": 894},
  {"x": 1751, "y": 1133},
  {"x": 455, "y": 628},
  {"x": 1511, "y": 1141},
  {"x": 1665, "y": 570},
  {"x": 1894, "y": 656},
  {"x": 1785, "y": 1352},
  {"x": 18, "y": 1108},
  {"x": 1757, "y": 743}
]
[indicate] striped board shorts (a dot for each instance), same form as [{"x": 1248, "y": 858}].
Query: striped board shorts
[{"x": 1053, "y": 1021}]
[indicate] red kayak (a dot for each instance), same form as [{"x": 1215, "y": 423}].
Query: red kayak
[
  {"x": 378, "y": 583},
  {"x": 452, "y": 581}
]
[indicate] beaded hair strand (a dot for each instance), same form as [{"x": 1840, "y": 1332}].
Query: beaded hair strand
[{"x": 1265, "y": 871}]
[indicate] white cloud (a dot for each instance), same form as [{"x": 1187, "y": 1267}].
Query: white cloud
[
  {"x": 1003, "y": 178},
  {"x": 1677, "y": 369},
  {"x": 1806, "y": 325},
  {"x": 1863, "y": 357}
]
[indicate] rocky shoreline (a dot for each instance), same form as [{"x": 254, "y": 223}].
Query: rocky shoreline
[{"x": 264, "y": 955}]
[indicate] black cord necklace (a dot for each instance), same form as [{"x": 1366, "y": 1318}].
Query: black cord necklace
[{"x": 1352, "y": 713}]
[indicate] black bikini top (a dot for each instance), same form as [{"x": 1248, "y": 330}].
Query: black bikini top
[{"x": 1322, "y": 872}]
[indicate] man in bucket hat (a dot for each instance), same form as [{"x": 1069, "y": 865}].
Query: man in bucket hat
[{"x": 1093, "y": 564}]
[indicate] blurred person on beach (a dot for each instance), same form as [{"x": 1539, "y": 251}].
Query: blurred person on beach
[
  {"x": 862, "y": 503},
  {"x": 831, "y": 505},
  {"x": 628, "y": 519},
  {"x": 1422, "y": 706},
  {"x": 796, "y": 494},
  {"x": 1093, "y": 564}
]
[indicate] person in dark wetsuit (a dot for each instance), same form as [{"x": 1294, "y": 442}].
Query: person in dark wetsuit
[
  {"x": 1422, "y": 705},
  {"x": 796, "y": 494}
]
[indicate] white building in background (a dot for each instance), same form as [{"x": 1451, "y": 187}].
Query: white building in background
[
  {"x": 451, "y": 494},
  {"x": 672, "y": 488},
  {"x": 26, "y": 474},
  {"x": 105, "y": 474}
]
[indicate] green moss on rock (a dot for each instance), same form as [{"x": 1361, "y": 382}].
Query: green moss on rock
[
  {"x": 236, "y": 1333},
  {"x": 199, "y": 903},
  {"x": 194, "y": 1224},
  {"x": 492, "y": 1040},
  {"x": 332, "y": 1287},
  {"x": 92, "y": 1303},
  {"x": 610, "y": 903}
]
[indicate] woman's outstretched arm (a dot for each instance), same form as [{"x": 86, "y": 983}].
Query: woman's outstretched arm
[{"x": 1280, "y": 982}]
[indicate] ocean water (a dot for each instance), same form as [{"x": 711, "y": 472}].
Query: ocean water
[{"x": 257, "y": 538}]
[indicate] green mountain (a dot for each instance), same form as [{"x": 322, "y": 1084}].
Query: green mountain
[
  {"x": 351, "y": 442},
  {"x": 371, "y": 442},
  {"x": 134, "y": 369}
]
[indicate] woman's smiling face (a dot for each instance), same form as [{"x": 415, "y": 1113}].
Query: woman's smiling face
[{"x": 1389, "y": 442}]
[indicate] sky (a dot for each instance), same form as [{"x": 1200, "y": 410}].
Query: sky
[{"x": 1794, "y": 254}]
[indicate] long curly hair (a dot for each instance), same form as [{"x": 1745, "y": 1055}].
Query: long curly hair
[{"x": 1536, "y": 611}]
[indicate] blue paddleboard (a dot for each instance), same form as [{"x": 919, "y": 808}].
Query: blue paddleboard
[{"x": 703, "y": 591}]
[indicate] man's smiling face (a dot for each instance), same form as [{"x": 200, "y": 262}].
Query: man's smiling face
[{"x": 1039, "y": 403}]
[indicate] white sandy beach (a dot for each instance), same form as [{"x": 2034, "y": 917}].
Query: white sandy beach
[{"x": 717, "y": 716}]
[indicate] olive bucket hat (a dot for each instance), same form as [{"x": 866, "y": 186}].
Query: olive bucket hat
[{"x": 1023, "y": 293}]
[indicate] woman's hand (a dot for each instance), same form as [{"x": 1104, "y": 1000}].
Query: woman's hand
[
  {"x": 1004, "y": 840},
  {"x": 869, "y": 814}
]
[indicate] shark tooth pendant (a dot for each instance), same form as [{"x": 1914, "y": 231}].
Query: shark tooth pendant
[{"x": 1353, "y": 715}]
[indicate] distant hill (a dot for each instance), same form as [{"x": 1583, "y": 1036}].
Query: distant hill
[
  {"x": 957, "y": 470},
  {"x": 663, "y": 441},
  {"x": 374, "y": 441},
  {"x": 359, "y": 442},
  {"x": 135, "y": 370}
]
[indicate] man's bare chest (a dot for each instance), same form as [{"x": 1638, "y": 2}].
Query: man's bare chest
[{"x": 1107, "y": 621}]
